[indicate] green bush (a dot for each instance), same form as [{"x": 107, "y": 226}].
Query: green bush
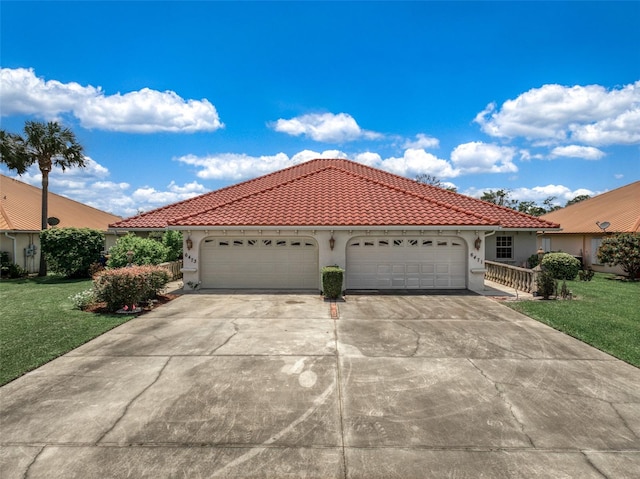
[
  {"x": 71, "y": 251},
  {"x": 172, "y": 240},
  {"x": 561, "y": 265},
  {"x": 547, "y": 285},
  {"x": 10, "y": 270},
  {"x": 533, "y": 261},
  {"x": 622, "y": 250},
  {"x": 586, "y": 274},
  {"x": 332, "y": 281},
  {"x": 144, "y": 251},
  {"x": 129, "y": 286}
]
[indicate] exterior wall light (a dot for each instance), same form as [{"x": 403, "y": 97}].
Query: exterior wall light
[
  {"x": 189, "y": 243},
  {"x": 332, "y": 242},
  {"x": 477, "y": 243}
]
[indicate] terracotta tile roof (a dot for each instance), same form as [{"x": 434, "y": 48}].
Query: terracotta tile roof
[
  {"x": 20, "y": 205},
  {"x": 620, "y": 207},
  {"x": 330, "y": 192}
]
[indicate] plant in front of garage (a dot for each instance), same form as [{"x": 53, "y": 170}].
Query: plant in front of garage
[
  {"x": 123, "y": 288},
  {"x": 332, "y": 279}
]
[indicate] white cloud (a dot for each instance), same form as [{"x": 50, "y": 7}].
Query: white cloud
[
  {"x": 417, "y": 161},
  {"x": 239, "y": 166},
  {"x": 143, "y": 111},
  {"x": 235, "y": 166},
  {"x": 422, "y": 141},
  {"x": 479, "y": 157},
  {"x": 576, "y": 151},
  {"x": 325, "y": 127},
  {"x": 465, "y": 159},
  {"x": 148, "y": 196},
  {"x": 589, "y": 114}
]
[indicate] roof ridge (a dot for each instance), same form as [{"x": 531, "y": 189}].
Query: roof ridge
[
  {"x": 449, "y": 205},
  {"x": 253, "y": 193},
  {"x": 350, "y": 173},
  {"x": 220, "y": 190},
  {"x": 417, "y": 195}
]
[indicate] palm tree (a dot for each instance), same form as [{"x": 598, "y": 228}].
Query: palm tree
[{"x": 48, "y": 145}]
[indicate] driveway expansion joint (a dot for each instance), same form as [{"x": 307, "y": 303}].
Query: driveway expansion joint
[
  {"x": 504, "y": 399},
  {"x": 126, "y": 408}
]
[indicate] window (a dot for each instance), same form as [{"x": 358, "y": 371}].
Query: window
[{"x": 504, "y": 247}]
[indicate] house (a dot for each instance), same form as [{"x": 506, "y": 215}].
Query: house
[
  {"x": 20, "y": 220},
  {"x": 388, "y": 232},
  {"x": 584, "y": 224}
]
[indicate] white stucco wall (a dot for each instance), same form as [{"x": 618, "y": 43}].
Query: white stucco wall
[{"x": 337, "y": 256}]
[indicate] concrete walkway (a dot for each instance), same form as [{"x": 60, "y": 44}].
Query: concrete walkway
[{"x": 270, "y": 386}]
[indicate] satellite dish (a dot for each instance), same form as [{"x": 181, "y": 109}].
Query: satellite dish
[
  {"x": 53, "y": 221},
  {"x": 604, "y": 225}
]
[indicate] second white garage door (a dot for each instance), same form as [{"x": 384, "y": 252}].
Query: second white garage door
[
  {"x": 259, "y": 263},
  {"x": 406, "y": 263}
]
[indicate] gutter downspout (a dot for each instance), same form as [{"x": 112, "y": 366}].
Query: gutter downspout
[{"x": 12, "y": 238}]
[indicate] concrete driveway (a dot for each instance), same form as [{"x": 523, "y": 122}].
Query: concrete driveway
[{"x": 248, "y": 386}]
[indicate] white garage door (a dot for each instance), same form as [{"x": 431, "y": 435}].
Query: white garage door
[
  {"x": 406, "y": 263},
  {"x": 261, "y": 263}
]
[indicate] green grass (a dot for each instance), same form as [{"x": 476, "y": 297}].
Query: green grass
[
  {"x": 605, "y": 314},
  {"x": 38, "y": 323}
]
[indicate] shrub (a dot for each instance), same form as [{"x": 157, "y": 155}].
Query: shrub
[
  {"x": 560, "y": 265},
  {"x": 586, "y": 274},
  {"x": 547, "y": 285},
  {"x": 10, "y": 270},
  {"x": 129, "y": 286},
  {"x": 332, "y": 281},
  {"x": 83, "y": 299},
  {"x": 533, "y": 261},
  {"x": 622, "y": 250},
  {"x": 144, "y": 251},
  {"x": 172, "y": 240},
  {"x": 71, "y": 251}
]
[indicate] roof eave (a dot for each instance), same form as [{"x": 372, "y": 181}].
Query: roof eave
[{"x": 339, "y": 227}]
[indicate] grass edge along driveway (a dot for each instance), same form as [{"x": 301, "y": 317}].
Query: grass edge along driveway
[
  {"x": 38, "y": 323},
  {"x": 605, "y": 314}
]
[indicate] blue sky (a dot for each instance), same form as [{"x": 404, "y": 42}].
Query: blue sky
[{"x": 174, "y": 99}]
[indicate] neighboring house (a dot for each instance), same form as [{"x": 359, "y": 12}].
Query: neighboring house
[
  {"x": 20, "y": 220},
  {"x": 388, "y": 232},
  {"x": 584, "y": 224}
]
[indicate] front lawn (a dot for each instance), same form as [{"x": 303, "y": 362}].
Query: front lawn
[
  {"x": 605, "y": 314},
  {"x": 38, "y": 323}
]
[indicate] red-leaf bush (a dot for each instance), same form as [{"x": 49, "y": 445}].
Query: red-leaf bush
[{"x": 121, "y": 287}]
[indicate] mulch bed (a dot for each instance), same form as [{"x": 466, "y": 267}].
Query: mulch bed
[{"x": 101, "y": 308}]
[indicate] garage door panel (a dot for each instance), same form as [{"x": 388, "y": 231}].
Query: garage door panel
[
  {"x": 264, "y": 263},
  {"x": 406, "y": 263}
]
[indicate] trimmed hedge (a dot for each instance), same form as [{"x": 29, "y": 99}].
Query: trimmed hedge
[
  {"x": 561, "y": 265},
  {"x": 71, "y": 251},
  {"x": 129, "y": 286},
  {"x": 145, "y": 251},
  {"x": 332, "y": 281}
]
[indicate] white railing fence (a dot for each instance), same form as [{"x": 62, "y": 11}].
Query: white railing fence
[{"x": 520, "y": 279}]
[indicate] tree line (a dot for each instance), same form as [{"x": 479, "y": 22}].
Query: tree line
[{"x": 503, "y": 197}]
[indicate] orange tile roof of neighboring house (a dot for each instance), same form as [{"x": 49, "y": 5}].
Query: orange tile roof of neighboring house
[
  {"x": 332, "y": 192},
  {"x": 20, "y": 205},
  {"x": 620, "y": 207}
]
